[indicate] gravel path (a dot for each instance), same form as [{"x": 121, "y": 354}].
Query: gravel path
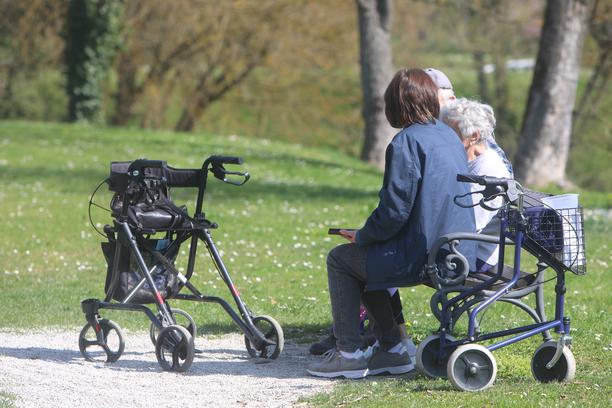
[{"x": 45, "y": 369}]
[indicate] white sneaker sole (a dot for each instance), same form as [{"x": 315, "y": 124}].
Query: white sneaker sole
[
  {"x": 352, "y": 374},
  {"x": 392, "y": 370}
]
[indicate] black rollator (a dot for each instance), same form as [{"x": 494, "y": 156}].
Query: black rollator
[{"x": 142, "y": 247}]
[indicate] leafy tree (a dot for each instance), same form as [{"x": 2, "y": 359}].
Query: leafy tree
[
  {"x": 92, "y": 39},
  {"x": 27, "y": 46}
]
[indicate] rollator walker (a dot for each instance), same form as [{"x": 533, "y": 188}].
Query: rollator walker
[
  {"x": 141, "y": 249},
  {"x": 555, "y": 237}
]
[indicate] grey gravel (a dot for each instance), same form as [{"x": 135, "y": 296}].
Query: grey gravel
[{"x": 45, "y": 369}]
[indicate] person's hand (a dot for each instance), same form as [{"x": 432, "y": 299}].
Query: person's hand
[{"x": 349, "y": 235}]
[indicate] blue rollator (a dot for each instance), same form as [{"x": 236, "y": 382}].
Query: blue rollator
[{"x": 555, "y": 237}]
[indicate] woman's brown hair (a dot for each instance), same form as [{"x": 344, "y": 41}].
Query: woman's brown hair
[{"x": 411, "y": 97}]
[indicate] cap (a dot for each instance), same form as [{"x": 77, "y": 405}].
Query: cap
[{"x": 439, "y": 78}]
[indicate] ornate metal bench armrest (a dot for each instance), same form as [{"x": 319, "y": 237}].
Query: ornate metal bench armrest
[{"x": 454, "y": 260}]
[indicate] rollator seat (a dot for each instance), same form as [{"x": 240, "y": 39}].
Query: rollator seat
[
  {"x": 476, "y": 278},
  {"x": 160, "y": 219}
]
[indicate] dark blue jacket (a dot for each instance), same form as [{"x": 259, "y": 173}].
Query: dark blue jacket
[{"x": 416, "y": 205}]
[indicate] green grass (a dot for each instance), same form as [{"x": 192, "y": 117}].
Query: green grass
[
  {"x": 273, "y": 237},
  {"x": 7, "y": 400}
]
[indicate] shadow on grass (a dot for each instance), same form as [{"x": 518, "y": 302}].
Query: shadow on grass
[{"x": 85, "y": 180}]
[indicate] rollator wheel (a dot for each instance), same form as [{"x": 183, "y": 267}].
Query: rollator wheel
[
  {"x": 273, "y": 332},
  {"x": 174, "y": 349},
  {"x": 182, "y": 318},
  {"x": 471, "y": 367},
  {"x": 427, "y": 357},
  {"x": 564, "y": 370},
  {"x": 113, "y": 346}
]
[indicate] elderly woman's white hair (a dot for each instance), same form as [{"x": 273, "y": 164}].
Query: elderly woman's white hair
[{"x": 470, "y": 117}]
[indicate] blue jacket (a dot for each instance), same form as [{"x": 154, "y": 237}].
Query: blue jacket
[{"x": 416, "y": 205}]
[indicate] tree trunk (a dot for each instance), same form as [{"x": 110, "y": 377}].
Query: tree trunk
[
  {"x": 376, "y": 71},
  {"x": 600, "y": 27},
  {"x": 505, "y": 130},
  {"x": 186, "y": 121},
  {"x": 479, "y": 62},
  {"x": 127, "y": 92},
  {"x": 545, "y": 136}
]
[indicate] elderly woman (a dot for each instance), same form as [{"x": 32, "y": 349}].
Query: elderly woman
[
  {"x": 415, "y": 208},
  {"x": 474, "y": 123}
]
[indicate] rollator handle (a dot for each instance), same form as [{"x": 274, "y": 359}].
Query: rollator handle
[
  {"x": 494, "y": 186},
  {"x": 216, "y": 167},
  {"x": 141, "y": 164},
  {"x": 485, "y": 180},
  {"x": 225, "y": 160}
]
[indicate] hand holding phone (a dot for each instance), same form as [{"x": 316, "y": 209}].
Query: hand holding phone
[
  {"x": 347, "y": 233},
  {"x": 336, "y": 231}
]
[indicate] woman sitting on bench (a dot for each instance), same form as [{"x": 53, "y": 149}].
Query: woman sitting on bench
[{"x": 474, "y": 123}]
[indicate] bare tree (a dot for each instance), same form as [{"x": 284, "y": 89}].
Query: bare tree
[
  {"x": 197, "y": 49},
  {"x": 600, "y": 27},
  {"x": 545, "y": 136},
  {"x": 376, "y": 71}
]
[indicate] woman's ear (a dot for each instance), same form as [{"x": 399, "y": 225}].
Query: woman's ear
[{"x": 474, "y": 138}]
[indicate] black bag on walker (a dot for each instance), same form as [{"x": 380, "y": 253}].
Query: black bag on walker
[{"x": 164, "y": 278}]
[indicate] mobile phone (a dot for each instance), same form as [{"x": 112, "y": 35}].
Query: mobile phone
[{"x": 336, "y": 231}]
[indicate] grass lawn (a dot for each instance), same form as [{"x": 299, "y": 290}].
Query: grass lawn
[{"x": 273, "y": 237}]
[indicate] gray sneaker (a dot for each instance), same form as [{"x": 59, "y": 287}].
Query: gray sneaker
[
  {"x": 383, "y": 362},
  {"x": 410, "y": 346},
  {"x": 335, "y": 365}
]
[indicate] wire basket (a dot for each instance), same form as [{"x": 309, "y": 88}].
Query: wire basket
[{"x": 558, "y": 233}]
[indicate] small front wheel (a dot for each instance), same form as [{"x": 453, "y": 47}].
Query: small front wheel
[
  {"x": 109, "y": 349},
  {"x": 272, "y": 332},
  {"x": 564, "y": 370},
  {"x": 429, "y": 360},
  {"x": 471, "y": 367},
  {"x": 181, "y": 318},
  {"x": 174, "y": 349}
]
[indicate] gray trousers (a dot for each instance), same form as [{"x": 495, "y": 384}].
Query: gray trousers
[{"x": 347, "y": 277}]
